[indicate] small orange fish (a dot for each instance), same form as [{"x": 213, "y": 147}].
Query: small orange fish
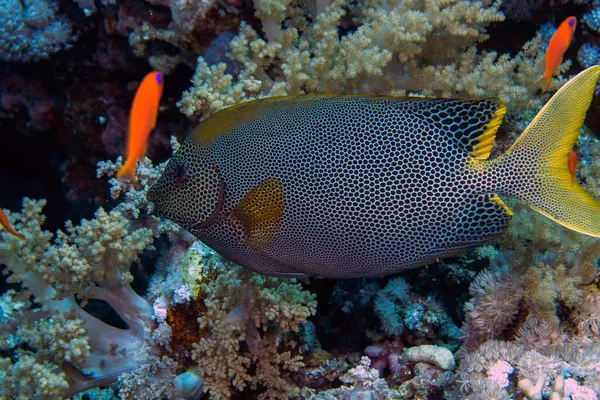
[
  {"x": 142, "y": 120},
  {"x": 572, "y": 163},
  {"x": 8, "y": 226},
  {"x": 559, "y": 43}
]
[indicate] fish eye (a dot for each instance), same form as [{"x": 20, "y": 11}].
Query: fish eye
[
  {"x": 572, "y": 22},
  {"x": 181, "y": 172}
]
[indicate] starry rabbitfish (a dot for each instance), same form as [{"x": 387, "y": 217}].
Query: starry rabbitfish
[{"x": 354, "y": 186}]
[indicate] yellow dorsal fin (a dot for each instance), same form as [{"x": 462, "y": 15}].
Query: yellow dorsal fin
[
  {"x": 260, "y": 212},
  {"x": 538, "y": 160},
  {"x": 225, "y": 120},
  {"x": 485, "y": 143}
]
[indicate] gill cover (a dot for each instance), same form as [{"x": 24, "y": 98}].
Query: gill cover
[{"x": 190, "y": 191}]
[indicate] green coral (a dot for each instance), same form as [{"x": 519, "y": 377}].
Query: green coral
[
  {"x": 244, "y": 324},
  {"x": 395, "y": 47}
]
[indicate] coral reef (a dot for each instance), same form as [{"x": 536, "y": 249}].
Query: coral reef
[
  {"x": 124, "y": 305},
  {"x": 30, "y": 30},
  {"x": 71, "y": 349},
  {"x": 392, "y": 47}
]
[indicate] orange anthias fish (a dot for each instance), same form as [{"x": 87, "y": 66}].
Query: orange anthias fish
[
  {"x": 8, "y": 226},
  {"x": 572, "y": 163},
  {"x": 559, "y": 43},
  {"x": 142, "y": 120}
]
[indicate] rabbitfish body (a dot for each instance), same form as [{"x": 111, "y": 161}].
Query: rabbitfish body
[{"x": 356, "y": 186}]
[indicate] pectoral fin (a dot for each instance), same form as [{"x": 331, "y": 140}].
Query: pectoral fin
[{"x": 260, "y": 212}]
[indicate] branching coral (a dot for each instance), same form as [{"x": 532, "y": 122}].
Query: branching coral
[
  {"x": 70, "y": 349},
  {"x": 243, "y": 342},
  {"x": 30, "y": 30},
  {"x": 394, "y": 47}
]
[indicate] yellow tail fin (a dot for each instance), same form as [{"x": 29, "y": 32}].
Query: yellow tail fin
[{"x": 535, "y": 168}]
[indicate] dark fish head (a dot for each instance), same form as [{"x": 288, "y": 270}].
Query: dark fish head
[{"x": 190, "y": 191}]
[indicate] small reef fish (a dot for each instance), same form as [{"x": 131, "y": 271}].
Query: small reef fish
[
  {"x": 572, "y": 163},
  {"x": 354, "y": 186},
  {"x": 558, "y": 45},
  {"x": 142, "y": 119},
  {"x": 9, "y": 228}
]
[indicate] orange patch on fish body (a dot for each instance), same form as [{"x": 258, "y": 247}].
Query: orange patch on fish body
[
  {"x": 142, "y": 119},
  {"x": 8, "y": 226},
  {"x": 558, "y": 45},
  {"x": 572, "y": 163}
]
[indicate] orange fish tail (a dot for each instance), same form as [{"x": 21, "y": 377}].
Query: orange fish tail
[
  {"x": 13, "y": 232},
  {"x": 545, "y": 81},
  {"x": 128, "y": 172}
]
